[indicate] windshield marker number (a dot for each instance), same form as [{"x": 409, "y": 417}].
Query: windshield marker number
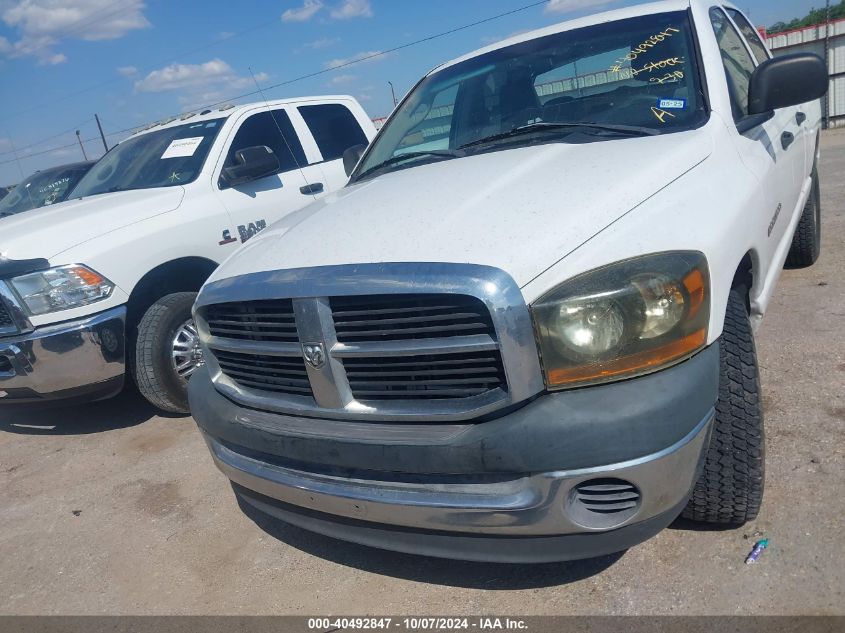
[{"x": 651, "y": 42}]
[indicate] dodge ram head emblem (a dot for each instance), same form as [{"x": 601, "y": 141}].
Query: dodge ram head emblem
[{"x": 314, "y": 354}]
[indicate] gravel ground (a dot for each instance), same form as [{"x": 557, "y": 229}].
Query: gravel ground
[{"x": 112, "y": 509}]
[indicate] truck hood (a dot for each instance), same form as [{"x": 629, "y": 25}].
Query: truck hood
[
  {"x": 521, "y": 210},
  {"x": 48, "y": 231}
]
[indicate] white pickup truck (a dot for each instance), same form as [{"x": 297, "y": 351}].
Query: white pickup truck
[
  {"x": 523, "y": 331},
  {"x": 108, "y": 278}
]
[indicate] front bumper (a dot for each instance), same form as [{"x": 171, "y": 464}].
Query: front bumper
[
  {"x": 82, "y": 359},
  {"x": 501, "y": 490}
]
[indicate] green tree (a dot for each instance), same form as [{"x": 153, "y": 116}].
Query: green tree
[{"x": 815, "y": 16}]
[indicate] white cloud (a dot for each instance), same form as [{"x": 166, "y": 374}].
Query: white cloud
[
  {"x": 304, "y": 13},
  {"x": 198, "y": 82},
  {"x": 567, "y": 6},
  {"x": 323, "y": 42},
  {"x": 366, "y": 56},
  {"x": 42, "y": 24},
  {"x": 127, "y": 71},
  {"x": 52, "y": 60},
  {"x": 338, "y": 80},
  {"x": 352, "y": 9}
]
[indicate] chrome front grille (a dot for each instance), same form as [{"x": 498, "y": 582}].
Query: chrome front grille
[{"x": 408, "y": 342}]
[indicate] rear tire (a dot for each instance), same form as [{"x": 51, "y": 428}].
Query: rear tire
[
  {"x": 729, "y": 490},
  {"x": 165, "y": 329},
  {"x": 807, "y": 241}
]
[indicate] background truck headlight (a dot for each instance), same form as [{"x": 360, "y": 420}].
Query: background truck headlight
[
  {"x": 626, "y": 319},
  {"x": 61, "y": 288}
]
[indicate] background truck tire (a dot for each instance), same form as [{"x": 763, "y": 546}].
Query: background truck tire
[
  {"x": 730, "y": 488},
  {"x": 807, "y": 241},
  {"x": 153, "y": 367}
]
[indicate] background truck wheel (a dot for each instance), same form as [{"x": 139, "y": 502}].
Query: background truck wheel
[
  {"x": 807, "y": 241},
  {"x": 167, "y": 352},
  {"x": 730, "y": 488}
]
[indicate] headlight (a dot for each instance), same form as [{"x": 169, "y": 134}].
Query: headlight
[
  {"x": 630, "y": 318},
  {"x": 61, "y": 288}
]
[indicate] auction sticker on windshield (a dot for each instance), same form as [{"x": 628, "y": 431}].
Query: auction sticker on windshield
[{"x": 182, "y": 147}]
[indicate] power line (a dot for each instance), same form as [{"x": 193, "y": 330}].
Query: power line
[
  {"x": 50, "y": 138},
  {"x": 358, "y": 60},
  {"x": 317, "y": 73}
]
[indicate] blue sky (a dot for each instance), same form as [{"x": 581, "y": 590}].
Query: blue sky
[{"x": 136, "y": 61}]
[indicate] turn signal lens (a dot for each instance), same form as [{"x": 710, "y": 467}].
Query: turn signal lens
[{"x": 624, "y": 320}]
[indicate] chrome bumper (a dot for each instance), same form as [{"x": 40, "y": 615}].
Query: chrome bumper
[
  {"x": 531, "y": 505},
  {"x": 82, "y": 358}
]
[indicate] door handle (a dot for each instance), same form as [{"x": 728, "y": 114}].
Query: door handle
[
  {"x": 800, "y": 118},
  {"x": 313, "y": 188},
  {"x": 787, "y": 139}
]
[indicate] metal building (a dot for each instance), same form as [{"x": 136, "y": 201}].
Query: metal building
[{"x": 815, "y": 39}]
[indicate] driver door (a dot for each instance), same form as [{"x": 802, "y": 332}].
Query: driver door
[{"x": 254, "y": 205}]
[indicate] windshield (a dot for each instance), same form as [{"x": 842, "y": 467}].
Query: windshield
[
  {"x": 628, "y": 77},
  {"x": 43, "y": 188},
  {"x": 164, "y": 158}
]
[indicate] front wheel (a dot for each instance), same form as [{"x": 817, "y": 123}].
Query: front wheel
[
  {"x": 730, "y": 488},
  {"x": 167, "y": 352}
]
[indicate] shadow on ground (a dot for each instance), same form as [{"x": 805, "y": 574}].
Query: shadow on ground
[
  {"x": 125, "y": 410},
  {"x": 429, "y": 570}
]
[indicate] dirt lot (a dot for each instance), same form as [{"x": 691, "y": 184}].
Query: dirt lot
[{"x": 111, "y": 509}]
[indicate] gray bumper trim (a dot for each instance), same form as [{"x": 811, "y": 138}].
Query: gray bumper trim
[
  {"x": 524, "y": 505},
  {"x": 64, "y": 360}
]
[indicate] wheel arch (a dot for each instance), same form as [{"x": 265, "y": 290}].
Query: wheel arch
[{"x": 185, "y": 274}]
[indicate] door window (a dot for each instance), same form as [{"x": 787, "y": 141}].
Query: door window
[
  {"x": 334, "y": 128},
  {"x": 737, "y": 61},
  {"x": 274, "y": 130},
  {"x": 751, "y": 35}
]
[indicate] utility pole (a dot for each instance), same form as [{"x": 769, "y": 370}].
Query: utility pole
[
  {"x": 826, "y": 98},
  {"x": 102, "y": 136},
  {"x": 393, "y": 94},
  {"x": 81, "y": 146}
]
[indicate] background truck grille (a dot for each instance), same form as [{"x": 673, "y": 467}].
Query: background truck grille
[
  {"x": 433, "y": 376},
  {"x": 278, "y": 374},
  {"x": 6, "y": 322},
  {"x": 253, "y": 320},
  {"x": 402, "y": 317}
]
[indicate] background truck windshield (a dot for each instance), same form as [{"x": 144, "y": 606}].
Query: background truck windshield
[
  {"x": 164, "y": 158},
  {"x": 43, "y": 188},
  {"x": 636, "y": 72}
]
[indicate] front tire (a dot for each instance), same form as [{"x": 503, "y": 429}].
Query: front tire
[
  {"x": 730, "y": 488},
  {"x": 807, "y": 241},
  {"x": 167, "y": 352}
]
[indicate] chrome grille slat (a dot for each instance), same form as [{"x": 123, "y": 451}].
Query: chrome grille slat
[
  {"x": 452, "y": 345},
  {"x": 432, "y": 330},
  {"x": 400, "y": 320}
]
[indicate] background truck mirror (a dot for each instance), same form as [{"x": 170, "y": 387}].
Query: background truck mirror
[
  {"x": 351, "y": 157},
  {"x": 251, "y": 163}
]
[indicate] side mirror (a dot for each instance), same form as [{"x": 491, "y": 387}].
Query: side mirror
[
  {"x": 351, "y": 158},
  {"x": 251, "y": 163},
  {"x": 787, "y": 81}
]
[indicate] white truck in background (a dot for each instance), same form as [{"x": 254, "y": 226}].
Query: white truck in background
[{"x": 106, "y": 280}]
